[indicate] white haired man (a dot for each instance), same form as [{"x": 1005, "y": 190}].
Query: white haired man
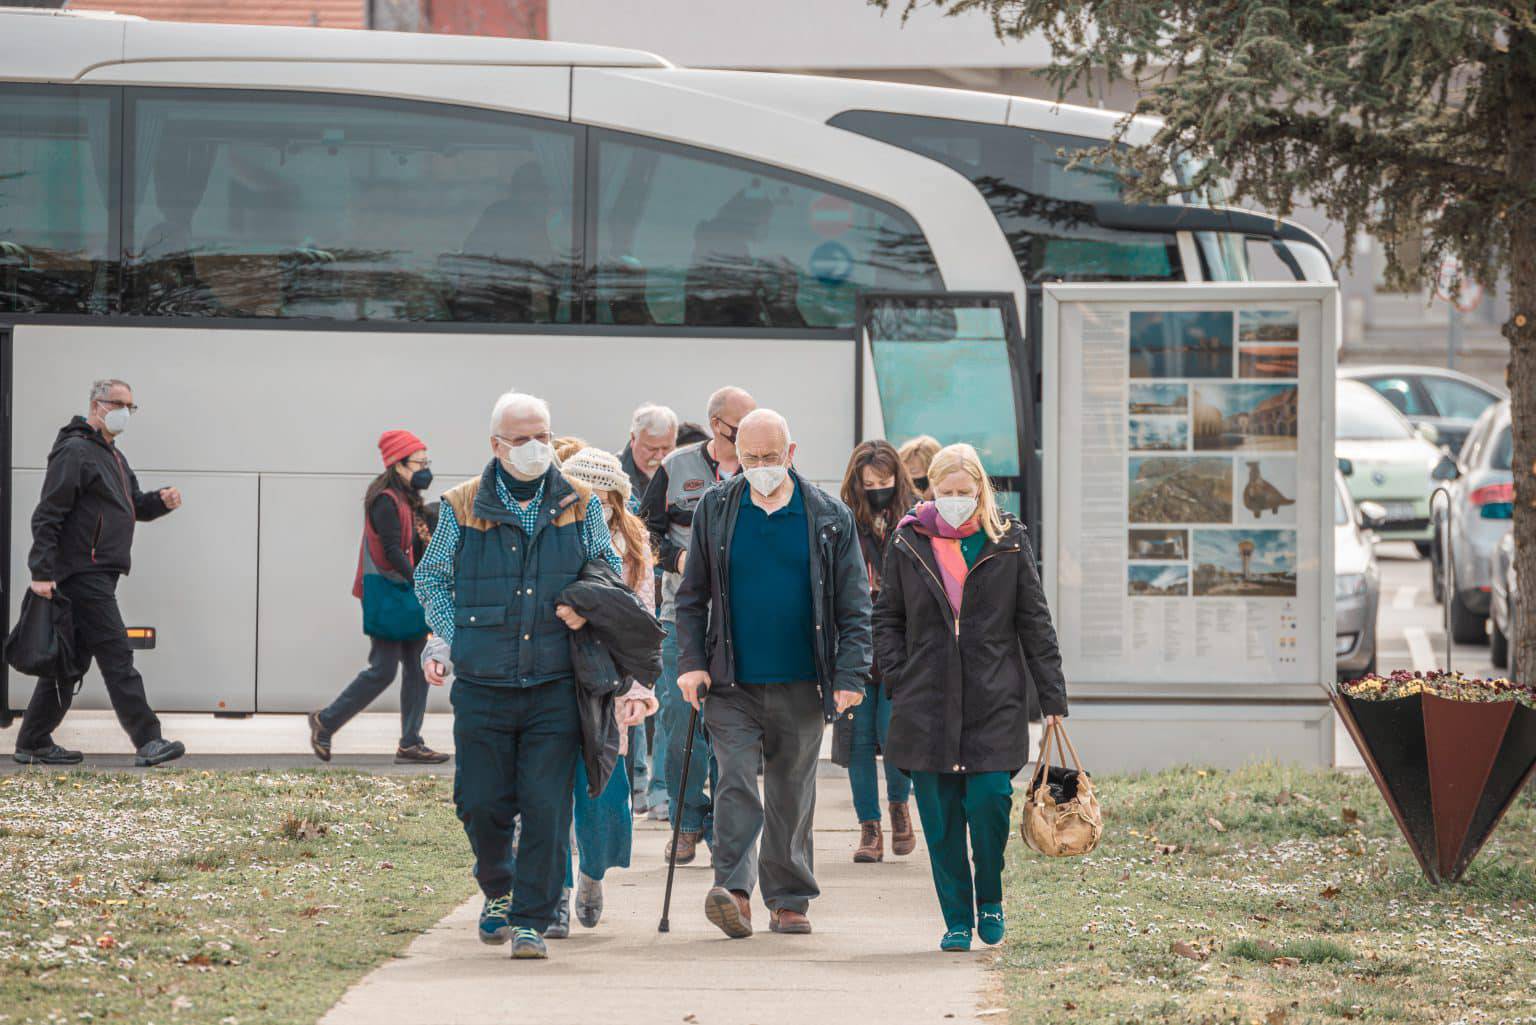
[
  {"x": 773, "y": 622},
  {"x": 506, "y": 544},
  {"x": 82, "y": 536},
  {"x": 652, "y": 437}
]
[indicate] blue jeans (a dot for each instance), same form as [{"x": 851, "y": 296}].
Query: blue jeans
[
  {"x": 871, "y": 721},
  {"x": 517, "y": 750},
  {"x": 384, "y": 658},
  {"x": 656, "y": 775},
  {"x": 674, "y": 716},
  {"x": 603, "y": 824}
]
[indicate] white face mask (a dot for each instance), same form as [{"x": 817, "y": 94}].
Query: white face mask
[
  {"x": 116, "y": 421},
  {"x": 956, "y": 510},
  {"x": 765, "y": 480},
  {"x": 528, "y": 460}
]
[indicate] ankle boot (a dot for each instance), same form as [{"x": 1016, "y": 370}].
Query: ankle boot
[
  {"x": 871, "y": 843},
  {"x": 903, "y": 839}
]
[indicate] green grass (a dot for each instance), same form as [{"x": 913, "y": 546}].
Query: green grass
[
  {"x": 198, "y": 897},
  {"x": 1305, "y": 906}
]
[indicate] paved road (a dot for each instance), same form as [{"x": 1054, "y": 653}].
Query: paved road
[{"x": 1410, "y": 625}]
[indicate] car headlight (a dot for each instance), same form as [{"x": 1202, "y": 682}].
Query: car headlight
[{"x": 1348, "y": 585}]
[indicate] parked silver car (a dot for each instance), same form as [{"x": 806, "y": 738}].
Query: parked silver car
[
  {"x": 1482, "y": 506},
  {"x": 1356, "y": 582},
  {"x": 1504, "y": 607},
  {"x": 1443, "y": 399}
]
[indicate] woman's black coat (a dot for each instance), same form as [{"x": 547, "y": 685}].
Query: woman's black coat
[{"x": 959, "y": 697}]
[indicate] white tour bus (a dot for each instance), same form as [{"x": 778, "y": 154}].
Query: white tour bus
[{"x": 289, "y": 240}]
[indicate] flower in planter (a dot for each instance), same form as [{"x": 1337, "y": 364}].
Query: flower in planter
[{"x": 1449, "y": 753}]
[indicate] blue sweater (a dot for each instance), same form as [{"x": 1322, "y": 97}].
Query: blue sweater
[{"x": 770, "y": 581}]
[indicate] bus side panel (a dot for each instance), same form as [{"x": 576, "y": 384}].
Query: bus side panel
[
  {"x": 193, "y": 580},
  {"x": 285, "y": 422}
]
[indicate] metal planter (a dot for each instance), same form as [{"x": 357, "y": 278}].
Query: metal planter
[{"x": 1448, "y": 770}]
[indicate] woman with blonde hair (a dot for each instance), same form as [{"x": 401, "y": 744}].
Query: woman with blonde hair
[
  {"x": 604, "y": 824},
  {"x": 961, "y": 628},
  {"x": 916, "y": 454}
]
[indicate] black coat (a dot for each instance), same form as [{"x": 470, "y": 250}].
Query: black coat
[
  {"x": 621, "y": 640},
  {"x": 90, "y": 502},
  {"x": 839, "y": 592},
  {"x": 959, "y": 699},
  {"x": 874, "y": 549}
]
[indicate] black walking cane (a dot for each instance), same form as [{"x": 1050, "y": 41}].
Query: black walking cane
[{"x": 677, "y": 818}]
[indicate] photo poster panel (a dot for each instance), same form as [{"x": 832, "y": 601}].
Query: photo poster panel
[{"x": 1191, "y": 494}]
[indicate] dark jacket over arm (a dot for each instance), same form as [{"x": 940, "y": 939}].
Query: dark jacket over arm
[
  {"x": 147, "y": 505},
  {"x": 696, "y": 590},
  {"x": 653, "y": 510},
  {"x": 849, "y": 587},
  {"x": 384, "y": 518},
  {"x": 1037, "y": 635}
]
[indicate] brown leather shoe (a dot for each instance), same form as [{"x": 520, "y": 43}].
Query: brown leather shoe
[
  {"x": 903, "y": 839},
  {"x": 687, "y": 848},
  {"x": 730, "y": 911},
  {"x": 419, "y": 754},
  {"x": 871, "y": 843},
  {"x": 787, "y": 921}
]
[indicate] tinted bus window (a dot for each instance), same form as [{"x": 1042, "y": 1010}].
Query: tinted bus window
[
  {"x": 289, "y": 205},
  {"x": 56, "y": 185},
  {"x": 1044, "y": 207},
  {"x": 691, "y": 238}
]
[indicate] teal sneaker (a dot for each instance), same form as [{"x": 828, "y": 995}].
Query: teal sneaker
[
  {"x": 495, "y": 925},
  {"x": 528, "y": 945},
  {"x": 956, "y": 941},
  {"x": 990, "y": 925}
]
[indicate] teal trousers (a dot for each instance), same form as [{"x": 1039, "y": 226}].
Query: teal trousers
[{"x": 951, "y": 805}]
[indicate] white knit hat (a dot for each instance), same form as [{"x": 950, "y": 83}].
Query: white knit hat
[{"x": 598, "y": 469}]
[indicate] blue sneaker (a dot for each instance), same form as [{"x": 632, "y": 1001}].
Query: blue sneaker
[
  {"x": 956, "y": 941},
  {"x": 528, "y": 945},
  {"x": 495, "y": 925},
  {"x": 990, "y": 925}
]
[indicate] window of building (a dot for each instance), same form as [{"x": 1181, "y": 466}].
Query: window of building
[
  {"x": 255, "y": 204},
  {"x": 56, "y": 198},
  {"x": 1043, "y": 203},
  {"x": 690, "y": 238}
]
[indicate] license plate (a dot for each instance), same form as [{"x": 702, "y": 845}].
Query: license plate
[{"x": 1400, "y": 510}]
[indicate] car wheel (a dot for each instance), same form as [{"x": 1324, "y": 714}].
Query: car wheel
[
  {"x": 1498, "y": 646},
  {"x": 1426, "y": 549},
  {"x": 1467, "y": 627}
]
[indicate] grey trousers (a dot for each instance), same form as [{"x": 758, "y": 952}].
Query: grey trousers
[{"x": 777, "y": 726}]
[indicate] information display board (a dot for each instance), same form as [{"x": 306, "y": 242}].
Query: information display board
[{"x": 1189, "y": 477}]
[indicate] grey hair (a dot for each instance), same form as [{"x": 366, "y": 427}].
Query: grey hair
[
  {"x": 722, "y": 398},
  {"x": 103, "y": 388},
  {"x": 517, "y": 402},
  {"x": 761, "y": 415},
  {"x": 653, "y": 420}
]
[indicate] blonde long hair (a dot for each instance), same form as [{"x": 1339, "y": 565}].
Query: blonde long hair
[{"x": 963, "y": 458}]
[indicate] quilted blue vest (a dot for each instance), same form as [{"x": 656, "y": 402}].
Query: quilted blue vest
[{"x": 505, "y": 583}]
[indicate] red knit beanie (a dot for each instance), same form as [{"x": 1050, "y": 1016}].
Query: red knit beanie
[{"x": 396, "y": 445}]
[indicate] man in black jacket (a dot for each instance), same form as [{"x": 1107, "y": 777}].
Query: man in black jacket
[
  {"x": 82, "y": 534},
  {"x": 773, "y": 623}
]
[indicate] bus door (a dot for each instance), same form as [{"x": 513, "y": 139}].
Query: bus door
[{"x": 953, "y": 366}]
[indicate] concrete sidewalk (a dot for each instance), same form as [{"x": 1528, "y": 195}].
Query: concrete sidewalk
[{"x": 873, "y": 957}]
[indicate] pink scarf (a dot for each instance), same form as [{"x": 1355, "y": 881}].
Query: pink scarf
[{"x": 925, "y": 519}]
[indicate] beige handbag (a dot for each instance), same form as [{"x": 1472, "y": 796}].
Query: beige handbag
[{"x": 1073, "y": 826}]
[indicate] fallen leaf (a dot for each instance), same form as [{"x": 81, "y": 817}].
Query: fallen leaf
[
  {"x": 1215, "y": 823},
  {"x": 106, "y": 942},
  {"x": 1261, "y": 918},
  {"x": 1286, "y": 962},
  {"x": 1283, "y": 797},
  {"x": 1182, "y": 949},
  {"x": 1068, "y": 1006},
  {"x": 1275, "y": 1017},
  {"x": 692, "y": 1019},
  {"x": 1167, "y": 848},
  {"x": 1329, "y": 892},
  {"x": 1351, "y": 816}
]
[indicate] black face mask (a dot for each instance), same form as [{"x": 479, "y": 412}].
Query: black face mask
[
  {"x": 880, "y": 498},
  {"x": 727, "y": 431},
  {"x": 421, "y": 480},
  {"x": 920, "y": 483}
]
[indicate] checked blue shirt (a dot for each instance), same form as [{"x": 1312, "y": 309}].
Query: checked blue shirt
[{"x": 434, "y": 574}]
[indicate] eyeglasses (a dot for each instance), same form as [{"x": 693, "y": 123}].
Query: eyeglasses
[
  {"x": 119, "y": 404},
  {"x": 546, "y": 437},
  {"x": 753, "y": 459},
  {"x": 419, "y": 464}
]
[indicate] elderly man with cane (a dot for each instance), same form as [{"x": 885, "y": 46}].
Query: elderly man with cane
[{"x": 773, "y": 619}]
